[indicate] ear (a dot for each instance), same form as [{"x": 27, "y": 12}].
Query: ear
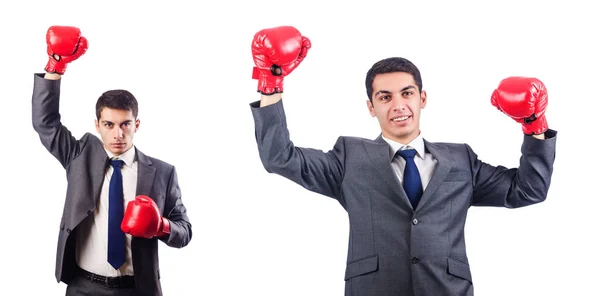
[
  {"x": 371, "y": 108},
  {"x": 137, "y": 125},
  {"x": 423, "y": 99},
  {"x": 97, "y": 124}
]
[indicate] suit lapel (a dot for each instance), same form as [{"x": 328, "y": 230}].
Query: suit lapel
[
  {"x": 443, "y": 157},
  {"x": 100, "y": 164},
  {"x": 146, "y": 173},
  {"x": 380, "y": 155}
]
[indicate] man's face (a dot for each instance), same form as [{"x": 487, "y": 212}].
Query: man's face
[
  {"x": 116, "y": 128},
  {"x": 397, "y": 105}
]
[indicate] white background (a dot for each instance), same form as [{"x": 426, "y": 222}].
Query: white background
[{"x": 260, "y": 234}]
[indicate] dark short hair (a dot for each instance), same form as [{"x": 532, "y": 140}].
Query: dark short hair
[
  {"x": 117, "y": 99},
  {"x": 390, "y": 65}
]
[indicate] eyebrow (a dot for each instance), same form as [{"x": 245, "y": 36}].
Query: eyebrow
[
  {"x": 126, "y": 121},
  {"x": 383, "y": 91}
]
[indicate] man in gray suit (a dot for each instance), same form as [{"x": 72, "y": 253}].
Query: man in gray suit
[
  {"x": 119, "y": 201},
  {"x": 406, "y": 198}
]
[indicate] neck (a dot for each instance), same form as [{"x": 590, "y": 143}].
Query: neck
[{"x": 402, "y": 140}]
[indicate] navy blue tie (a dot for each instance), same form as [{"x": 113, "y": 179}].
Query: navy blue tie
[
  {"x": 116, "y": 237},
  {"x": 411, "y": 179}
]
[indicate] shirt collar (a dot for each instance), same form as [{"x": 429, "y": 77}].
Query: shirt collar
[
  {"x": 417, "y": 144},
  {"x": 127, "y": 157}
]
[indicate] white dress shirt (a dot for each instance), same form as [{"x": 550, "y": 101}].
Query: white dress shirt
[
  {"x": 92, "y": 234},
  {"x": 425, "y": 162}
]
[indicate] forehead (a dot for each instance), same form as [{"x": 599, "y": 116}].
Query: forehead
[
  {"x": 393, "y": 81},
  {"x": 116, "y": 115}
]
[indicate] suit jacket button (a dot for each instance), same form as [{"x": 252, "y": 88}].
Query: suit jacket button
[
  {"x": 89, "y": 212},
  {"x": 415, "y": 260},
  {"x": 68, "y": 230},
  {"x": 415, "y": 221}
]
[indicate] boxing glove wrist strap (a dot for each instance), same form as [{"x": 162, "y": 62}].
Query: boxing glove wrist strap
[
  {"x": 535, "y": 127},
  {"x": 165, "y": 228},
  {"x": 269, "y": 81},
  {"x": 54, "y": 66}
]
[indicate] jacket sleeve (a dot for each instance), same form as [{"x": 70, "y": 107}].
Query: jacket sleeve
[
  {"x": 516, "y": 187},
  {"x": 316, "y": 170},
  {"x": 175, "y": 211},
  {"x": 46, "y": 121}
]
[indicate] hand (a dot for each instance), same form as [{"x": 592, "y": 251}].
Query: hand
[
  {"x": 276, "y": 53},
  {"x": 143, "y": 219},
  {"x": 65, "y": 44},
  {"x": 525, "y": 100}
]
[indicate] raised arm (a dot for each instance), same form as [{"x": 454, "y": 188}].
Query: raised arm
[
  {"x": 276, "y": 53},
  {"x": 65, "y": 44},
  {"x": 524, "y": 100}
]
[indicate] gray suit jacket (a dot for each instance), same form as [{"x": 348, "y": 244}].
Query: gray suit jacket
[
  {"x": 86, "y": 161},
  {"x": 393, "y": 249}
]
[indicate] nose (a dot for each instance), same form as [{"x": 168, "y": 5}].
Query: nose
[
  {"x": 118, "y": 133},
  {"x": 398, "y": 104}
]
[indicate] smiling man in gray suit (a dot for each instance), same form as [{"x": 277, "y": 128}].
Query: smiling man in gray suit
[
  {"x": 119, "y": 201},
  {"x": 407, "y": 198}
]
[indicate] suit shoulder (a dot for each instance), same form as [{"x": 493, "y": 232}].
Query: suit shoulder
[
  {"x": 353, "y": 140},
  {"x": 90, "y": 138},
  {"x": 161, "y": 164},
  {"x": 90, "y": 142},
  {"x": 453, "y": 147}
]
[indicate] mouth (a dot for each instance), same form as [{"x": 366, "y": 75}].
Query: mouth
[
  {"x": 401, "y": 118},
  {"x": 118, "y": 144}
]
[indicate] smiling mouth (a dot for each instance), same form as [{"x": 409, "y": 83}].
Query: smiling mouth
[{"x": 401, "y": 118}]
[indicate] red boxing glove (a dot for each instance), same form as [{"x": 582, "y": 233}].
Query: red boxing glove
[
  {"x": 65, "y": 44},
  {"x": 276, "y": 53},
  {"x": 524, "y": 99},
  {"x": 143, "y": 219}
]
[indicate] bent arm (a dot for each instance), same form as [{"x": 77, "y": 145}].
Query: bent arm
[
  {"x": 176, "y": 213},
  {"x": 312, "y": 169},
  {"x": 517, "y": 187}
]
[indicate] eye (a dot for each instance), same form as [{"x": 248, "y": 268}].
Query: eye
[
  {"x": 108, "y": 124},
  {"x": 407, "y": 93},
  {"x": 385, "y": 97}
]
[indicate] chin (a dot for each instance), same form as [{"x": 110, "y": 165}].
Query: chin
[
  {"x": 402, "y": 134},
  {"x": 117, "y": 152},
  {"x": 402, "y": 131}
]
